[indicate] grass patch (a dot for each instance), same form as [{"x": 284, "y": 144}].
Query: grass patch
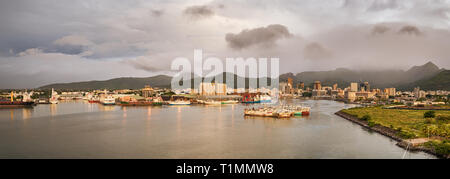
[
  {"x": 409, "y": 123},
  {"x": 441, "y": 147}
]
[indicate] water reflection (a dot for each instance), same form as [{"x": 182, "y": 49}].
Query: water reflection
[
  {"x": 53, "y": 109},
  {"x": 11, "y": 111},
  {"x": 26, "y": 113},
  {"x": 194, "y": 131}
]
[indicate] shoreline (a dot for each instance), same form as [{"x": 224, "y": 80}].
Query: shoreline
[{"x": 391, "y": 133}]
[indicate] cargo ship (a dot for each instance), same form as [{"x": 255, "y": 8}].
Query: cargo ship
[{"x": 15, "y": 104}]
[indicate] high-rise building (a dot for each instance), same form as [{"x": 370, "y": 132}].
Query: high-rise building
[
  {"x": 354, "y": 87},
  {"x": 389, "y": 91},
  {"x": 317, "y": 85},
  {"x": 366, "y": 86},
  {"x": 335, "y": 86},
  {"x": 417, "y": 92}
]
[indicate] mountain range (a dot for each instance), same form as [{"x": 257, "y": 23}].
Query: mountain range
[{"x": 427, "y": 76}]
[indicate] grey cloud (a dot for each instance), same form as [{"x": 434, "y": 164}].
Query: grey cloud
[
  {"x": 410, "y": 30},
  {"x": 141, "y": 64},
  {"x": 156, "y": 13},
  {"x": 199, "y": 11},
  {"x": 316, "y": 51},
  {"x": 380, "y": 29},
  {"x": 380, "y": 5},
  {"x": 257, "y": 36}
]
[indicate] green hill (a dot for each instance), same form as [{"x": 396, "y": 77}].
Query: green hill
[
  {"x": 440, "y": 81},
  {"x": 162, "y": 81}
]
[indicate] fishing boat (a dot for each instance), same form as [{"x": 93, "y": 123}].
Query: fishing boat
[
  {"x": 179, "y": 102},
  {"x": 230, "y": 102},
  {"x": 54, "y": 98}
]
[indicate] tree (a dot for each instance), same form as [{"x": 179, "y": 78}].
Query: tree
[
  {"x": 366, "y": 118},
  {"x": 429, "y": 114}
]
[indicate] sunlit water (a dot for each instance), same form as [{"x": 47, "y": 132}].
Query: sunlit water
[{"x": 81, "y": 130}]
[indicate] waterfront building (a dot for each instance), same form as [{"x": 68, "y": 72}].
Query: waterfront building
[
  {"x": 147, "y": 91},
  {"x": 286, "y": 88},
  {"x": 390, "y": 91},
  {"x": 319, "y": 92},
  {"x": 353, "y": 87},
  {"x": 209, "y": 89},
  {"x": 350, "y": 95},
  {"x": 301, "y": 85},
  {"x": 317, "y": 85},
  {"x": 335, "y": 86}
]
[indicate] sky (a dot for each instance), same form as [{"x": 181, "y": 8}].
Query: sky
[{"x": 54, "y": 41}]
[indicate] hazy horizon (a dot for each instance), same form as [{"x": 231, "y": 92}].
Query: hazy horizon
[{"x": 50, "y": 41}]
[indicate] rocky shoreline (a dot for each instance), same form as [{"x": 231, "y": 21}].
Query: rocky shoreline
[{"x": 388, "y": 132}]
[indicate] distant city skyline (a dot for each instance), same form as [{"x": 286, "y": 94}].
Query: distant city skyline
[{"x": 44, "y": 42}]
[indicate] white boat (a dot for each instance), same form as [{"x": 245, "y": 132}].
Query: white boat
[
  {"x": 109, "y": 100},
  {"x": 265, "y": 99},
  {"x": 179, "y": 102},
  {"x": 54, "y": 98},
  {"x": 230, "y": 102}
]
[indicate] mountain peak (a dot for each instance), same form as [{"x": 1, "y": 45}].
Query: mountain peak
[
  {"x": 427, "y": 67},
  {"x": 430, "y": 65}
]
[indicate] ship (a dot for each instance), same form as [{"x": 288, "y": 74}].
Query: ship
[
  {"x": 16, "y": 104},
  {"x": 265, "y": 99},
  {"x": 54, "y": 98},
  {"x": 108, "y": 100},
  {"x": 94, "y": 99},
  {"x": 278, "y": 112},
  {"x": 179, "y": 102},
  {"x": 230, "y": 102}
]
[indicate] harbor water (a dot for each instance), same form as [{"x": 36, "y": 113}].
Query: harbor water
[{"x": 77, "y": 129}]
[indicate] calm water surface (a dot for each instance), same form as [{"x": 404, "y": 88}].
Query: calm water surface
[{"x": 81, "y": 130}]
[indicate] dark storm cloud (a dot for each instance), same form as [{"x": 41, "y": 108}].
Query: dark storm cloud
[
  {"x": 315, "y": 51},
  {"x": 380, "y": 29},
  {"x": 199, "y": 11},
  {"x": 258, "y": 36},
  {"x": 410, "y": 30}
]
